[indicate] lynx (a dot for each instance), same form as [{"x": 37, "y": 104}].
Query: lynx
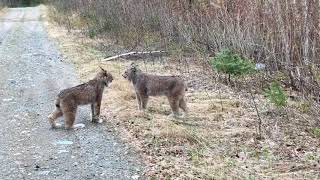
[
  {"x": 145, "y": 85},
  {"x": 69, "y": 99}
]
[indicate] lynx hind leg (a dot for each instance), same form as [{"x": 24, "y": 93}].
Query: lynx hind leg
[
  {"x": 174, "y": 104},
  {"x": 144, "y": 102},
  {"x": 69, "y": 118},
  {"x": 69, "y": 110},
  {"x": 54, "y": 116}
]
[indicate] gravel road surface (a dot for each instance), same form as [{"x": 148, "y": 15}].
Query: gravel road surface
[{"x": 31, "y": 75}]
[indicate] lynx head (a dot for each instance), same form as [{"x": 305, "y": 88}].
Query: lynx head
[
  {"x": 105, "y": 77},
  {"x": 131, "y": 72}
]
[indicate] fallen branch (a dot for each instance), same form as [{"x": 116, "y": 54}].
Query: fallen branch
[{"x": 133, "y": 53}]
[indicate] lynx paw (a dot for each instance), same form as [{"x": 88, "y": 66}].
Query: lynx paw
[
  {"x": 173, "y": 115},
  {"x": 184, "y": 115},
  {"x": 56, "y": 125},
  {"x": 97, "y": 119},
  {"x": 50, "y": 117}
]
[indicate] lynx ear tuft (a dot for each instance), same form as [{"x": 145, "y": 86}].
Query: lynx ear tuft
[
  {"x": 133, "y": 65},
  {"x": 102, "y": 69}
]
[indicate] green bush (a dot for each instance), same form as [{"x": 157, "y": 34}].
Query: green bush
[
  {"x": 276, "y": 95},
  {"x": 316, "y": 132},
  {"x": 231, "y": 63},
  {"x": 92, "y": 33}
]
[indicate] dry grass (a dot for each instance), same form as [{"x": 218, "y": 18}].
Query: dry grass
[
  {"x": 3, "y": 10},
  {"x": 211, "y": 143}
]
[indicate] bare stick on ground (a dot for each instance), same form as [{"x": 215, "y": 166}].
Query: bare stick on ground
[{"x": 134, "y": 53}]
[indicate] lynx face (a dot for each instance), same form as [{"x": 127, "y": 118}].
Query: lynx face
[
  {"x": 105, "y": 77},
  {"x": 130, "y": 73}
]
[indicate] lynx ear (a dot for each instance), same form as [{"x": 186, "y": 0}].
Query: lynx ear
[{"x": 133, "y": 65}]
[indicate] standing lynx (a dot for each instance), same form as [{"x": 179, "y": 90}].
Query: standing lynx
[
  {"x": 69, "y": 99},
  {"x": 145, "y": 85}
]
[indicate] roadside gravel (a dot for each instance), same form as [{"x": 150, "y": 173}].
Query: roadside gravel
[{"x": 32, "y": 72}]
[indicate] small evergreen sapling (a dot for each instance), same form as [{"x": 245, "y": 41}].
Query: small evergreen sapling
[
  {"x": 231, "y": 63},
  {"x": 276, "y": 95}
]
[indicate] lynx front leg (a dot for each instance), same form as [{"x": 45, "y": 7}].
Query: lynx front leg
[
  {"x": 96, "y": 117},
  {"x": 92, "y": 111},
  {"x": 139, "y": 101},
  {"x": 144, "y": 102}
]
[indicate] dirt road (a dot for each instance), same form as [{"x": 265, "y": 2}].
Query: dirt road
[{"x": 31, "y": 74}]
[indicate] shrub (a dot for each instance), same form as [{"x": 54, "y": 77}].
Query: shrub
[
  {"x": 316, "y": 132},
  {"x": 205, "y": 25},
  {"x": 232, "y": 64},
  {"x": 92, "y": 33},
  {"x": 276, "y": 95}
]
